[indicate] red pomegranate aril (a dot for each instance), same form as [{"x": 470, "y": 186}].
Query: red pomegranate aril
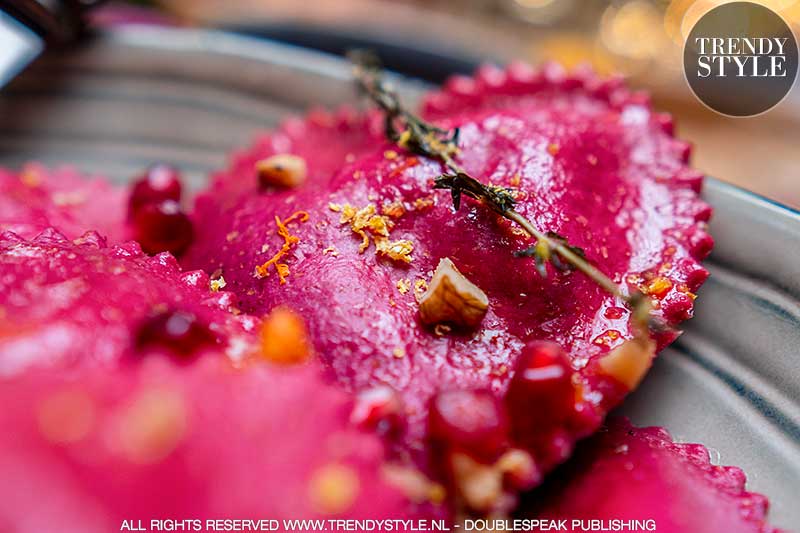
[
  {"x": 179, "y": 332},
  {"x": 473, "y": 422},
  {"x": 540, "y": 397},
  {"x": 377, "y": 409},
  {"x": 158, "y": 183},
  {"x": 163, "y": 227}
]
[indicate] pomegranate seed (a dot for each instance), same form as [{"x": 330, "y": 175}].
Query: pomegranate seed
[
  {"x": 178, "y": 331},
  {"x": 162, "y": 227},
  {"x": 377, "y": 409},
  {"x": 469, "y": 421},
  {"x": 540, "y": 397},
  {"x": 158, "y": 183}
]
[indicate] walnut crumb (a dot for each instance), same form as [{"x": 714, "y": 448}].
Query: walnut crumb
[
  {"x": 483, "y": 487},
  {"x": 479, "y": 485},
  {"x": 426, "y": 202},
  {"x": 403, "y": 285},
  {"x": 451, "y": 298},
  {"x": 414, "y": 484},
  {"x": 440, "y": 330},
  {"x": 393, "y": 209},
  {"x": 420, "y": 287},
  {"x": 399, "y": 250},
  {"x": 217, "y": 284}
]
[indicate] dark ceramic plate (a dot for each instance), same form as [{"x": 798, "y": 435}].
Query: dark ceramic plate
[{"x": 732, "y": 381}]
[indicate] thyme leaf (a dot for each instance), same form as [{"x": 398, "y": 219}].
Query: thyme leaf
[
  {"x": 499, "y": 199},
  {"x": 414, "y": 134}
]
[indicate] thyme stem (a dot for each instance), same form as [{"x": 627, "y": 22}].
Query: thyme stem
[
  {"x": 570, "y": 256},
  {"x": 416, "y": 135}
]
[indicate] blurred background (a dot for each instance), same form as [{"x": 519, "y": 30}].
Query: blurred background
[
  {"x": 431, "y": 39},
  {"x": 641, "y": 38}
]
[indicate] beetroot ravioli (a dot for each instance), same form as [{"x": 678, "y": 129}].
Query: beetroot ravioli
[
  {"x": 133, "y": 390},
  {"x": 83, "y": 302},
  {"x": 639, "y": 476},
  {"x": 352, "y": 346},
  {"x": 37, "y": 198},
  {"x": 488, "y": 358}
]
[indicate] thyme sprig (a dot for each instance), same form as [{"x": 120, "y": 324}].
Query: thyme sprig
[{"x": 416, "y": 135}]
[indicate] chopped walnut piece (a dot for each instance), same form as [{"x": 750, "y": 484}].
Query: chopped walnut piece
[
  {"x": 217, "y": 284},
  {"x": 484, "y": 487},
  {"x": 440, "y": 330},
  {"x": 414, "y": 484},
  {"x": 519, "y": 469},
  {"x": 480, "y": 485},
  {"x": 629, "y": 362},
  {"x": 452, "y": 298},
  {"x": 420, "y": 287},
  {"x": 282, "y": 170},
  {"x": 421, "y": 204},
  {"x": 399, "y": 250},
  {"x": 403, "y": 285},
  {"x": 394, "y": 209}
]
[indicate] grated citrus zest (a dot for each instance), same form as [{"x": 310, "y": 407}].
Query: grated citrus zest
[{"x": 289, "y": 240}]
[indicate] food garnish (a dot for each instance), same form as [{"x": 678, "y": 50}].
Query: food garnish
[
  {"x": 178, "y": 331},
  {"x": 162, "y": 227},
  {"x": 281, "y": 170},
  {"x": 452, "y": 298},
  {"x": 284, "y": 338},
  {"x": 366, "y": 223},
  {"x": 158, "y": 183},
  {"x": 289, "y": 240},
  {"x": 414, "y": 134},
  {"x": 630, "y": 361}
]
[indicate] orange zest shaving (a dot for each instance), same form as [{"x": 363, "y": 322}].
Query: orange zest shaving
[
  {"x": 289, "y": 240},
  {"x": 366, "y": 223},
  {"x": 659, "y": 287},
  {"x": 409, "y": 162},
  {"x": 284, "y": 337}
]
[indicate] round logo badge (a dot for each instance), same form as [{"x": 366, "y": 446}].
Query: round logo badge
[{"x": 740, "y": 59}]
